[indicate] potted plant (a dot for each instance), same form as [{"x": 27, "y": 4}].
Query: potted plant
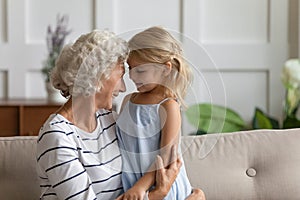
[
  {"x": 291, "y": 82},
  {"x": 55, "y": 41}
]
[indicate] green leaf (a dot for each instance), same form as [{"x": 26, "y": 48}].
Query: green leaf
[
  {"x": 263, "y": 121},
  {"x": 211, "y": 118},
  {"x": 291, "y": 122}
]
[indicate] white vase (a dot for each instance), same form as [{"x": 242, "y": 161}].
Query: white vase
[{"x": 54, "y": 95}]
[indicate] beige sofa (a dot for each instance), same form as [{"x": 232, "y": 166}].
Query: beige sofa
[{"x": 262, "y": 164}]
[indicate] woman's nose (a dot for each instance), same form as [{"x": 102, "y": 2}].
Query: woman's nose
[{"x": 122, "y": 86}]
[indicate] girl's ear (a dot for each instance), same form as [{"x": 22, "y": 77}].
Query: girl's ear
[{"x": 168, "y": 68}]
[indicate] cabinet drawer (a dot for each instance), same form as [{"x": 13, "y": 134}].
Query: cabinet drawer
[
  {"x": 33, "y": 117},
  {"x": 9, "y": 120}
]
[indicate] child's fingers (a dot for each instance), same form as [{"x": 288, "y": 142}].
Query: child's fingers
[
  {"x": 175, "y": 158},
  {"x": 174, "y": 153},
  {"x": 120, "y": 197},
  {"x": 159, "y": 163}
]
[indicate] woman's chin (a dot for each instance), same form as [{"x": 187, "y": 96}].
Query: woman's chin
[{"x": 109, "y": 106}]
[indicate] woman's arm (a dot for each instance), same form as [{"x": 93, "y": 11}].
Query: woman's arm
[
  {"x": 171, "y": 123},
  {"x": 165, "y": 177}
]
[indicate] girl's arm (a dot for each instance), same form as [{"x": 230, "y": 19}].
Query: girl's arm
[
  {"x": 170, "y": 118},
  {"x": 171, "y": 125}
]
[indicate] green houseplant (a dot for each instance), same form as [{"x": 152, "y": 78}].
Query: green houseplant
[
  {"x": 55, "y": 41},
  {"x": 210, "y": 118}
]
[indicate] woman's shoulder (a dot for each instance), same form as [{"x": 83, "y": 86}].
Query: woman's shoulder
[
  {"x": 54, "y": 127},
  {"x": 55, "y": 121}
]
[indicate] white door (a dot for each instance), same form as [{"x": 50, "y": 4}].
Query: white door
[{"x": 246, "y": 43}]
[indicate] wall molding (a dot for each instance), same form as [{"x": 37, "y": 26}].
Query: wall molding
[{"x": 3, "y": 17}]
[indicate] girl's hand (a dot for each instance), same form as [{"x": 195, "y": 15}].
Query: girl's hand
[{"x": 134, "y": 193}]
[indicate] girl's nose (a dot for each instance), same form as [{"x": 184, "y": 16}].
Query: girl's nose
[{"x": 131, "y": 75}]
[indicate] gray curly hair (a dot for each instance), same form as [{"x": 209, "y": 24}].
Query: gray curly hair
[{"x": 81, "y": 67}]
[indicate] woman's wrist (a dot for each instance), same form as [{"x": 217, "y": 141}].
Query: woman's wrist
[{"x": 157, "y": 194}]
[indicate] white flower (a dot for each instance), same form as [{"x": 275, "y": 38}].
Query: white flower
[
  {"x": 291, "y": 79},
  {"x": 291, "y": 74}
]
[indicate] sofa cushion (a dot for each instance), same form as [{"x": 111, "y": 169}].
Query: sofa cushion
[
  {"x": 18, "y": 177},
  {"x": 261, "y": 164}
]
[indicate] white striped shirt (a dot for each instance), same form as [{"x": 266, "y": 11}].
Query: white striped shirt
[{"x": 73, "y": 164}]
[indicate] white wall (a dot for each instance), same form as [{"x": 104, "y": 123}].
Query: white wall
[{"x": 236, "y": 47}]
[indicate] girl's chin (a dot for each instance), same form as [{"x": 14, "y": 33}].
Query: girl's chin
[{"x": 143, "y": 89}]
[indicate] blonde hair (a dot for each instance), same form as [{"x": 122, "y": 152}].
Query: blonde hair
[
  {"x": 156, "y": 45},
  {"x": 81, "y": 66}
]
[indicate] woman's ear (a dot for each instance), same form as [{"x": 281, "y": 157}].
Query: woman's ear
[{"x": 168, "y": 68}]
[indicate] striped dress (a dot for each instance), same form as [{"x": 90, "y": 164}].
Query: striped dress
[{"x": 74, "y": 164}]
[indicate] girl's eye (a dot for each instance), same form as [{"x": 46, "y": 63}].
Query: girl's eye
[{"x": 140, "y": 71}]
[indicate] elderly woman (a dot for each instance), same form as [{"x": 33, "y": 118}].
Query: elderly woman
[{"x": 78, "y": 156}]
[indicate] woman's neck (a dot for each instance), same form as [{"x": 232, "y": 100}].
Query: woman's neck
[{"x": 81, "y": 112}]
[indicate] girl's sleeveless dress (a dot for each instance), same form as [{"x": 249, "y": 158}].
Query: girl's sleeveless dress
[{"x": 139, "y": 132}]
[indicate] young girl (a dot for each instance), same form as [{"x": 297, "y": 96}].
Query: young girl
[{"x": 149, "y": 123}]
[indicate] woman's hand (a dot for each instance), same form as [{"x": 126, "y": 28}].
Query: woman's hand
[
  {"x": 196, "y": 195},
  {"x": 165, "y": 177}
]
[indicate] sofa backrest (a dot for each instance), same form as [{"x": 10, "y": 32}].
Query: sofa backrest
[
  {"x": 18, "y": 177},
  {"x": 262, "y": 164}
]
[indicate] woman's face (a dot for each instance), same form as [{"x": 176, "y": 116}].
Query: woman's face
[
  {"x": 146, "y": 76},
  {"x": 111, "y": 87}
]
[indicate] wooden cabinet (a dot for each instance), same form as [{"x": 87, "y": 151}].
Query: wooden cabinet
[{"x": 24, "y": 117}]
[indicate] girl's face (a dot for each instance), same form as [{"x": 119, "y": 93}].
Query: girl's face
[
  {"x": 146, "y": 76},
  {"x": 111, "y": 87}
]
